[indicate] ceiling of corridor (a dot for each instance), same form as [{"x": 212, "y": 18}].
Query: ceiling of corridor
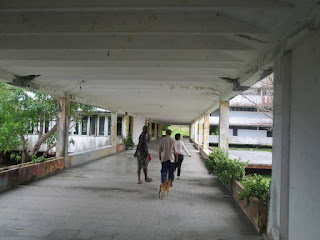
[{"x": 169, "y": 61}]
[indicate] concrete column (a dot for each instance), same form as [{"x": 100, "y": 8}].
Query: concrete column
[
  {"x": 150, "y": 129},
  {"x": 160, "y": 130},
  {"x": 200, "y": 131},
  {"x": 113, "y": 137},
  {"x": 63, "y": 127},
  {"x": 196, "y": 138},
  {"x": 126, "y": 125},
  {"x": 194, "y": 130},
  {"x": 206, "y": 130},
  {"x": 132, "y": 125},
  {"x": 224, "y": 125},
  {"x": 156, "y": 130}
]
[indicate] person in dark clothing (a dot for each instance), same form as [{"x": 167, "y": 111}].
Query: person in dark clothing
[{"x": 142, "y": 155}]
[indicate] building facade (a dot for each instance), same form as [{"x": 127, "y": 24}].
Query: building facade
[{"x": 250, "y": 117}]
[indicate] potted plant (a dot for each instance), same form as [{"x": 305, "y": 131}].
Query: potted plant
[{"x": 129, "y": 142}]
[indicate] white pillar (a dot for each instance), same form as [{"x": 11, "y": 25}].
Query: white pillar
[
  {"x": 224, "y": 125},
  {"x": 63, "y": 127},
  {"x": 200, "y": 132},
  {"x": 278, "y": 222},
  {"x": 206, "y": 129},
  {"x": 113, "y": 137}
]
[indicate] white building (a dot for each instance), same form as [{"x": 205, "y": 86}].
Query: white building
[{"x": 250, "y": 117}]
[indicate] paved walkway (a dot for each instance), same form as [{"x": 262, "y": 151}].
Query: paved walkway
[{"x": 102, "y": 200}]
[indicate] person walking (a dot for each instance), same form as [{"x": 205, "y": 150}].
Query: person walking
[
  {"x": 142, "y": 155},
  {"x": 167, "y": 156},
  {"x": 180, "y": 147}
]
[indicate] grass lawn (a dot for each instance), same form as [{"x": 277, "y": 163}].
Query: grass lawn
[
  {"x": 183, "y": 130},
  {"x": 266, "y": 178}
]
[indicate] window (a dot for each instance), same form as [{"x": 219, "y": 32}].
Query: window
[
  {"x": 130, "y": 127},
  {"x": 243, "y": 109},
  {"x": 46, "y": 126},
  {"x": 243, "y": 127},
  {"x": 101, "y": 125},
  {"x": 235, "y": 132},
  {"x": 269, "y": 133},
  {"x": 119, "y": 125},
  {"x": 109, "y": 125},
  {"x": 76, "y": 129},
  {"x": 84, "y": 125},
  {"x": 93, "y": 122}
]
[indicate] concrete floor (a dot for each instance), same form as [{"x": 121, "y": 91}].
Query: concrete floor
[{"x": 102, "y": 200}]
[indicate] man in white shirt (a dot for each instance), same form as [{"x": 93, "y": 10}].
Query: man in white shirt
[
  {"x": 167, "y": 156},
  {"x": 180, "y": 147}
]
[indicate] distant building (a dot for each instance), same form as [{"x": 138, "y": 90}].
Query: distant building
[{"x": 250, "y": 116}]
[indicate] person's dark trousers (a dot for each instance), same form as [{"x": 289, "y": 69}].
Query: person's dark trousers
[
  {"x": 178, "y": 164},
  {"x": 167, "y": 167}
]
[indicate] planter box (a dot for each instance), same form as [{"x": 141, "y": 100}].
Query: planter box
[
  {"x": 20, "y": 174},
  {"x": 120, "y": 148},
  {"x": 256, "y": 211}
]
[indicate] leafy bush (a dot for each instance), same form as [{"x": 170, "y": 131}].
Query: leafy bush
[
  {"x": 254, "y": 186},
  {"x": 129, "y": 141},
  {"x": 38, "y": 160},
  {"x": 225, "y": 168}
]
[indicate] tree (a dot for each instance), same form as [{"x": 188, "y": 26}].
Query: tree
[
  {"x": 22, "y": 111},
  {"x": 264, "y": 103}
]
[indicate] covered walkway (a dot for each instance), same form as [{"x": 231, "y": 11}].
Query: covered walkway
[{"x": 102, "y": 200}]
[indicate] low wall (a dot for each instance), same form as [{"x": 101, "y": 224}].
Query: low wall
[
  {"x": 260, "y": 141},
  {"x": 257, "y": 212},
  {"x": 20, "y": 174},
  {"x": 75, "y": 159}
]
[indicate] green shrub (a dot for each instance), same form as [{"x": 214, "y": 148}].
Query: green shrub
[
  {"x": 129, "y": 141},
  {"x": 225, "y": 168},
  {"x": 38, "y": 160},
  {"x": 254, "y": 186}
]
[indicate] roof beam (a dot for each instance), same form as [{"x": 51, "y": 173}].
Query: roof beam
[{"x": 124, "y": 5}]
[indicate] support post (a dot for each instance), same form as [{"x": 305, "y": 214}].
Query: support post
[
  {"x": 150, "y": 130},
  {"x": 200, "y": 131},
  {"x": 156, "y": 130},
  {"x": 279, "y": 202},
  {"x": 196, "y": 138},
  {"x": 63, "y": 127},
  {"x": 160, "y": 130},
  {"x": 224, "y": 125},
  {"x": 126, "y": 125},
  {"x": 132, "y": 126},
  {"x": 114, "y": 117},
  {"x": 206, "y": 132}
]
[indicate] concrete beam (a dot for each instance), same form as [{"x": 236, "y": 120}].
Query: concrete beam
[
  {"x": 224, "y": 126},
  {"x": 139, "y": 41},
  {"x": 63, "y": 128},
  {"x": 132, "y": 55},
  {"x": 18, "y": 6},
  {"x": 124, "y": 23}
]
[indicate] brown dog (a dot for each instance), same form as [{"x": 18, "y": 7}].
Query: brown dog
[{"x": 164, "y": 187}]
